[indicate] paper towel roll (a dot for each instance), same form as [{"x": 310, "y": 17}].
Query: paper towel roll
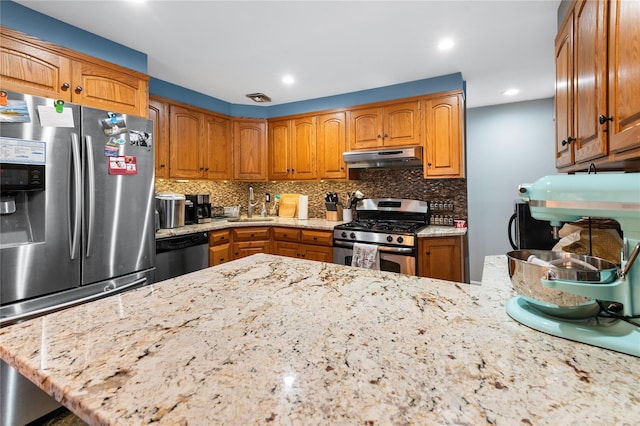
[{"x": 303, "y": 207}]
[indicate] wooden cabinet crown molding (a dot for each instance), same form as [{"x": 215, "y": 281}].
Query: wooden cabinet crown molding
[{"x": 69, "y": 53}]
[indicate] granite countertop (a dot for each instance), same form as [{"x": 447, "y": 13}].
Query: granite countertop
[
  {"x": 318, "y": 224},
  {"x": 275, "y": 340}
]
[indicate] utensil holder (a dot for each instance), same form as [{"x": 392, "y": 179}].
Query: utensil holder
[{"x": 335, "y": 216}]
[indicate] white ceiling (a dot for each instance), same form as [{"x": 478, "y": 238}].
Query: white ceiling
[{"x": 227, "y": 49}]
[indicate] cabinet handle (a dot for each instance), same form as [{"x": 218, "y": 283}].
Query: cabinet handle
[
  {"x": 385, "y": 136},
  {"x": 602, "y": 119},
  {"x": 78, "y": 89},
  {"x": 568, "y": 141},
  {"x": 379, "y": 136},
  {"x": 251, "y": 235},
  {"x": 428, "y": 253},
  {"x": 293, "y": 170},
  {"x": 315, "y": 238},
  {"x": 206, "y": 169},
  {"x": 65, "y": 86},
  {"x": 162, "y": 166},
  {"x": 302, "y": 255},
  {"x": 429, "y": 164}
]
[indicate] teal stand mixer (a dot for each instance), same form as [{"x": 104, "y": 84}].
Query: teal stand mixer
[{"x": 567, "y": 198}]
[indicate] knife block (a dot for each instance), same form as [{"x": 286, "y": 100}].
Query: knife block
[{"x": 335, "y": 216}]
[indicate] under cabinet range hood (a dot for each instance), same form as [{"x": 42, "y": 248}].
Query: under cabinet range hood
[{"x": 384, "y": 158}]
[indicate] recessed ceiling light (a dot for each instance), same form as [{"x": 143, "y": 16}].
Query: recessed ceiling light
[
  {"x": 511, "y": 92},
  {"x": 445, "y": 44},
  {"x": 288, "y": 79}
]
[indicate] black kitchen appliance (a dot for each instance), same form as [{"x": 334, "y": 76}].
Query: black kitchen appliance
[
  {"x": 201, "y": 212},
  {"x": 530, "y": 233},
  {"x": 392, "y": 225}
]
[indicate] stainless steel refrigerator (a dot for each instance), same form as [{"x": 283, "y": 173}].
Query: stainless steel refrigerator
[{"x": 76, "y": 211}]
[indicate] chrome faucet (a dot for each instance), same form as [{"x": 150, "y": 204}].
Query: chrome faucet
[{"x": 252, "y": 202}]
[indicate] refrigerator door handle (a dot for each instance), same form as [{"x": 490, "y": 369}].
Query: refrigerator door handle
[
  {"x": 108, "y": 290},
  {"x": 74, "y": 228},
  {"x": 91, "y": 197}
]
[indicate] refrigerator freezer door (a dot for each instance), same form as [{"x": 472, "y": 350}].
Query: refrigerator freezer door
[
  {"x": 38, "y": 259},
  {"x": 118, "y": 211}
]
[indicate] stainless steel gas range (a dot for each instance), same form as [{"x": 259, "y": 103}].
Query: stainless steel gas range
[{"x": 391, "y": 224}]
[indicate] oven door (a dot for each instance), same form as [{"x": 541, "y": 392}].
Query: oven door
[{"x": 403, "y": 263}]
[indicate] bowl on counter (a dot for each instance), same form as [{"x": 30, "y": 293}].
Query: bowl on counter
[{"x": 526, "y": 280}]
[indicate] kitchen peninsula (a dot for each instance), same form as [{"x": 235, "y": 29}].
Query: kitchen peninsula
[{"x": 268, "y": 339}]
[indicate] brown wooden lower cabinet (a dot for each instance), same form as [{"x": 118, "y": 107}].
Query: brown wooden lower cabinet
[
  {"x": 303, "y": 243},
  {"x": 441, "y": 258},
  {"x": 250, "y": 240},
  {"x": 219, "y": 247}
]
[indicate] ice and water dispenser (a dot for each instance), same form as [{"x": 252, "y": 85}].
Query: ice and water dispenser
[{"x": 22, "y": 193}]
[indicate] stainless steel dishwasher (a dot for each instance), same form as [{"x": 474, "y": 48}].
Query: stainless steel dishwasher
[{"x": 180, "y": 255}]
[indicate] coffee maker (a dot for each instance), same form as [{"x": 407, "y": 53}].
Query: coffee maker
[
  {"x": 201, "y": 210},
  {"x": 566, "y": 198}
]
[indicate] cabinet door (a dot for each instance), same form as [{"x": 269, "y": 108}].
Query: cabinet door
[
  {"x": 185, "y": 141},
  {"x": 365, "y": 128},
  {"x": 564, "y": 94},
  {"x": 217, "y": 149},
  {"x": 219, "y": 254},
  {"x": 286, "y": 248},
  {"x": 106, "y": 88},
  {"x": 590, "y": 54},
  {"x": 401, "y": 124},
  {"x": 317, "y": 253},
  {"x": 444, "y": 137},
  {"x": 441, "y": 258},
  {"x": 624, "y": 75},
  {"x": 159, "y": 113},
  {"x": 249, "y": 150},
  {"x": 331, "y": 144},
  {"x": 29, "y": 69},
  {"x": 303, "y": 149},
  {"x": 279, "y": 154},
  {"x": 248, "y": 248}
]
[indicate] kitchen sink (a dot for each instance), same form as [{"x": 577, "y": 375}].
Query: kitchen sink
[{"x": 251, "y": 219}]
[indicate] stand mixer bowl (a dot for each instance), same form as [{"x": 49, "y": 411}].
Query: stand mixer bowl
[{"x": 526, "y": 280}]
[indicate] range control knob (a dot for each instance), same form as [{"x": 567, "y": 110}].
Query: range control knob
[
  {"x": 389, "y": 238},
  {"x": 344, "y": 234},
  {"x": 400, "y": 239},
  {"x": 352, "y": 235}
]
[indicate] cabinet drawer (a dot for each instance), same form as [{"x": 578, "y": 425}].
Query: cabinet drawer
[
  {"x": 248, "y": 234},
  {"x": 321, "y": 238},
  {"x": 286, "y": 234},
  {"x": 219, "y": 237},
  {"x": 219, "y": 254}
]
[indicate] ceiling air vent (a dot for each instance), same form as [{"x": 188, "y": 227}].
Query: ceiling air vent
[{"x": 258, "y": 97}]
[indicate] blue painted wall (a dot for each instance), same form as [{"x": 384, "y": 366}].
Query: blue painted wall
[
  {"x": 20, "y": 18},
  {"x": 28, "y": 21}
]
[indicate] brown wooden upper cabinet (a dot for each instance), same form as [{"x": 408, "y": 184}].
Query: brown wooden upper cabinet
[
  {"x": 199, "y": 144},
  {"x": 443, "y": 129},
  {"x": 597, "y": 90},
  {"x": 389, "y": 125},
  {"x": 159, "y": 113},
  {"x": 43, "y": 69},
  {"x": 331, "y": 138},
  {"x": 292, "y": 149},
  {"x": 249, "y": 150}
]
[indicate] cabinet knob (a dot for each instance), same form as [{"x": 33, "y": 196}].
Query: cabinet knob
[
  {"x": 428, "y": 253},
  {"x": 66, "y": 86},
  {"x": 429, "y": 164},
  {"x": 568, "y": 141},
  {"x": 385, "y": 136},
  {"x": 379, "y": 136},
  {"x": 293, "y": 170},
  {"x": 602, "y": 119},
  {"x": 78, "y": 89},
  {"x": 162, "y": 166},
  {"x": 206, "y": 169}
]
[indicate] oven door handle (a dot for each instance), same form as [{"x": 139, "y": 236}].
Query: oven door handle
[{"x": 383, "y": 249}]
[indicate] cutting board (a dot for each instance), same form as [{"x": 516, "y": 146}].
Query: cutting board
[{"x": 288, "y": 205}]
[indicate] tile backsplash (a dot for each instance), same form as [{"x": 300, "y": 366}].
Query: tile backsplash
[{"x": 374, "y": 183}]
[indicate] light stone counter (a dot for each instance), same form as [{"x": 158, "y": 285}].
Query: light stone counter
[
  {"x": 320, "y": 224},
  {"x": 274, "y": 340}
]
